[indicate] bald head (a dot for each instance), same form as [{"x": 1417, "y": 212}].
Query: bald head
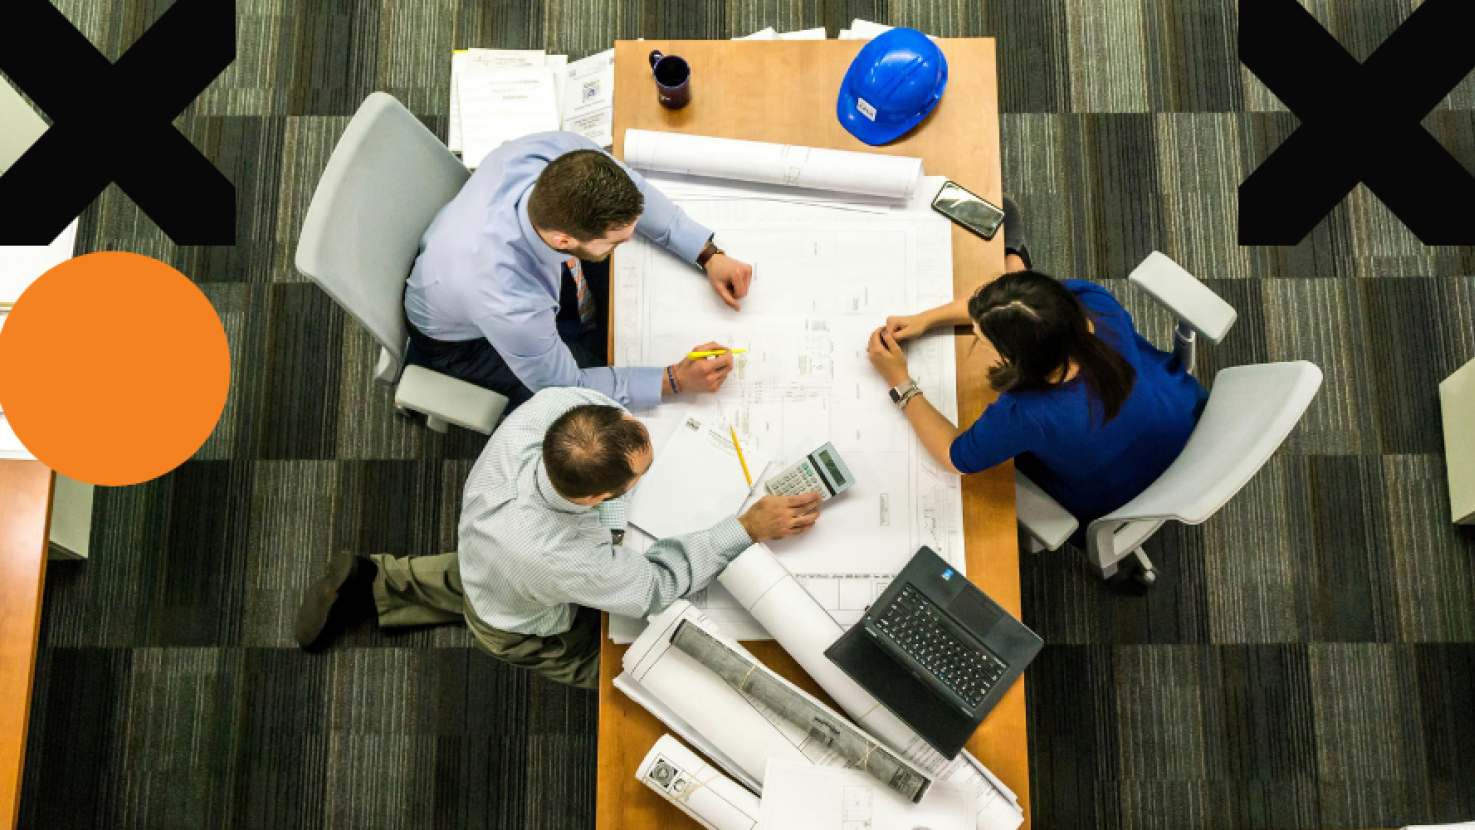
[{"x": 595, "y": 451}]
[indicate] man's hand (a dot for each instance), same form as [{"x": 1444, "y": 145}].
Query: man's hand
[
  {"x": 774, "y": 517},
  {"x": 887, "y": 357},
  {"x": 703, "y": 374},
  {"x": 729, "y": 278}
]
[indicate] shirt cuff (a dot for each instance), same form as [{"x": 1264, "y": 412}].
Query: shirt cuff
[
  {"x": 645, "y": 385},
  {"x": 688, "y": 238},
  {"x": 730, "y": 538}
]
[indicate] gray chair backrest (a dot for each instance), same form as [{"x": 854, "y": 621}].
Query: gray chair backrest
[
  {"x": 387, "y": 179},
  {"x": 1250, "y": 412}
]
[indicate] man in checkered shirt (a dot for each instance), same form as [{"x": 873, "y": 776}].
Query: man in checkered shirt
[{"x": 538, "y": 557}]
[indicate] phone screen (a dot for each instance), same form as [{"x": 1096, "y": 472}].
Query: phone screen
[{"x": 968, "y": 210}]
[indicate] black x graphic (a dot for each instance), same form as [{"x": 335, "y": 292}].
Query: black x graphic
[
  {"x": 1360, "y": 122},
  {"x": 111, "y": 122}
]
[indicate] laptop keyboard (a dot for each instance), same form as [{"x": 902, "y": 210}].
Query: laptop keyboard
[{"x": 914, "y": 623}]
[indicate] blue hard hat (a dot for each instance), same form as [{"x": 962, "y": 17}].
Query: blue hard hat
[{"x": 891, "y": 85}]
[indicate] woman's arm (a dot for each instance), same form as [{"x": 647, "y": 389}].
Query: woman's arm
[
  {"x": 954, "y": 313},
  {"x": 934, "y": 430}
]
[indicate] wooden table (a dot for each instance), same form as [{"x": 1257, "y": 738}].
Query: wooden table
[
  {"x": 785, "y": 91},
  {"x": 25, "y": 511}
]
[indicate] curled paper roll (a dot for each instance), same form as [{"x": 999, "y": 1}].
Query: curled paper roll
[{"x": 696, "y": 788}]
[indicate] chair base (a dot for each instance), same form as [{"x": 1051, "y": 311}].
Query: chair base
[{"x": 1141, "y": 568}]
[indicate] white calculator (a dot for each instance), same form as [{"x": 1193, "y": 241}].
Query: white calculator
[{"x": 821, "y": 472}]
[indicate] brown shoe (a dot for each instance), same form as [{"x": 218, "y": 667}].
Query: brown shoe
[{"x": 345, "y": 590}]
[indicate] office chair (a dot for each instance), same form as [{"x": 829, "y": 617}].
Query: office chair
[
  {"x": 1250, "y": 411},
  {"x": 385, "y": 182}
]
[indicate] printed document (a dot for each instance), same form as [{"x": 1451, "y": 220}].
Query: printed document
[
  {"x": 695, "y": 481},
  {"x": 484, "y": 57},
  {"x": 21, "y": 265},
  {"x": 498, "y": 104},
  {"x": 589, "y": 98},
  {"x": 805, "y": 797}
]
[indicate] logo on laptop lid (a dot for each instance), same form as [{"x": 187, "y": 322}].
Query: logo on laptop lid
[{"x": 947, "y": 574}]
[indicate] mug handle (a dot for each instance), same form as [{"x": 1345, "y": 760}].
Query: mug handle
[{"x": 655, "y": 58}]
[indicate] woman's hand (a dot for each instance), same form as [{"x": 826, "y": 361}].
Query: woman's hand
[
  {"x": 886, "y": 355},
  {"x": 905, "y": 328}
]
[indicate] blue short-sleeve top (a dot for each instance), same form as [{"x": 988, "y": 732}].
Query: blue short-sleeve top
[{"x": 1058, "y": 439}]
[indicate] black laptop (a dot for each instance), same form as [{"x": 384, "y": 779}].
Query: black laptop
[{"x": 936, "y": 651}]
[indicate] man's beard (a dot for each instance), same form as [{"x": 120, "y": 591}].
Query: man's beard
[{"x": 586, "y": 255}]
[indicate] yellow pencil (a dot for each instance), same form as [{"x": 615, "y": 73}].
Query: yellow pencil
[
  {"x": 700, "y": 355},
  {"x": 741, "y": 460},
  {"x": 6, "y": 306}
]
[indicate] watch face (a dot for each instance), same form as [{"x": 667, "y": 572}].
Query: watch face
[{"x": 895, "y": 395}]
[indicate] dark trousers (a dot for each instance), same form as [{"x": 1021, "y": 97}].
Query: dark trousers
[{"x": 477, "y": 361}]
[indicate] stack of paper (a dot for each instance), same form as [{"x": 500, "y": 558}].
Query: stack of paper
[
  {"x": 864, "y": 30},
  {"x": 768, "y": 33},
  {"x": 501, "y": 94},
  {"x": 696, "y": 481},
  {"x": 21, "y": 265},
  {"x": 808, "y": 797}
]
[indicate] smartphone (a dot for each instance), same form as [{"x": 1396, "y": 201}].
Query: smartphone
[{"x": 971, "y": 211}]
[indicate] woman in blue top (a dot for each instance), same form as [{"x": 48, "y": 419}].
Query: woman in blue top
[{"x": 1089, "y": 410}]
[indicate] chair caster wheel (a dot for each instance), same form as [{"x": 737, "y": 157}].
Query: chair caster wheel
[{"x": 1146, "y": 578}]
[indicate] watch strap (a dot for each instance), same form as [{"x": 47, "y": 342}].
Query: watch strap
[{"x": 708, "y": 251}]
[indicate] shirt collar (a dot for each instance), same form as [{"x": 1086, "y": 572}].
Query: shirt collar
[
  {"x": 551, "y": 496},
  {"x": 541, "y": 250}
]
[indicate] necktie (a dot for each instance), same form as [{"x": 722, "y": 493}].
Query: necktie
[{"x": 586, "y": 299}]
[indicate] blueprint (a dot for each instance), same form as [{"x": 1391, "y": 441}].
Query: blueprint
[{"x": 824, "y": 279}]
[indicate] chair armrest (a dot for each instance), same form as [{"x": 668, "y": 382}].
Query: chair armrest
[
  {"x": 453, "y": 401},
  {"x": 1190, "y": 300},
  {"x": 1041, "y": 516}
]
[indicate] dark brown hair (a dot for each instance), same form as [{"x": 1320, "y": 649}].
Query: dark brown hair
[
  {"x": 587, "y": 451},
  {"x": 1038, "y": 327},
  {"x": 584, "y": 194}
]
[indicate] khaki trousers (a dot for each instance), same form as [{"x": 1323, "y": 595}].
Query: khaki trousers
[{"x": 426, "y": 590}]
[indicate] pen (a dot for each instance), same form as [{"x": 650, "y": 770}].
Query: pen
[
  {"x": 6, "y": 306},
  {"x": 741, "y": 460},
  {"x": 700, "y": 355}
]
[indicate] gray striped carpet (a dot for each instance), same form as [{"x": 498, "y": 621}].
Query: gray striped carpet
[{"x": 1308, "y": 659}]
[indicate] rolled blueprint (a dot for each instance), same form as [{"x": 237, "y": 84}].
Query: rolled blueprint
[
  {"x": 762, "y": 585},
  {"x": 756, "y": 681},
  {"x": 681, "y": 777},
  {"x": 843, "y": 171},
  {"x": 711, "y": 707}
]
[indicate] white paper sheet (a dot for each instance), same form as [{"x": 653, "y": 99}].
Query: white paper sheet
[
  {"x": 21, "y": 265},
  {"x": 487, "y": 57},
  {"x": 10, "y": 446},
  {"x": 812, "y": 168},
  {"x": 499, "y": 104},
  {"x": 806, "y": 797},
  {"x": 826, "y": 279},
  {"x": 663, "y": 713},
  {"x": 817, "y": 33},
  {"x": 759, "y": 582},
  {"x": 710, "y": 798},
  {"x": 589, "y": 97},
  {"x": 696, "y": 479},
  {"x": 766, "y": 33}
]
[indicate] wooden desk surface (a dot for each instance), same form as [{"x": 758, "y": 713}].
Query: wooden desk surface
[
  {"x": 785, "y": 91},
  {"x": 25, "y": 508}
]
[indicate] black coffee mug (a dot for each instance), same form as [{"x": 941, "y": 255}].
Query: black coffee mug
[{"x": 673, "y": 80}]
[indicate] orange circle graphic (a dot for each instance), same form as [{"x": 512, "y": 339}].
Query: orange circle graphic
[{"x": 113, "y": 368}]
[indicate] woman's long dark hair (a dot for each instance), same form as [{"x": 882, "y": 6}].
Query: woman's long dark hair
[{"x": 1039, "y": 327}]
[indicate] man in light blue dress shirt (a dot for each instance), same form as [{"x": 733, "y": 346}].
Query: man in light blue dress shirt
[
  {"x": 510, "y": 289},
  {"x": 539, "y": 553}
]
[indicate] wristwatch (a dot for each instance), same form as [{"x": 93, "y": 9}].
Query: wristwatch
[
  {"x": 708, "y": 251},
  {"x": 901, "y": 395}
]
